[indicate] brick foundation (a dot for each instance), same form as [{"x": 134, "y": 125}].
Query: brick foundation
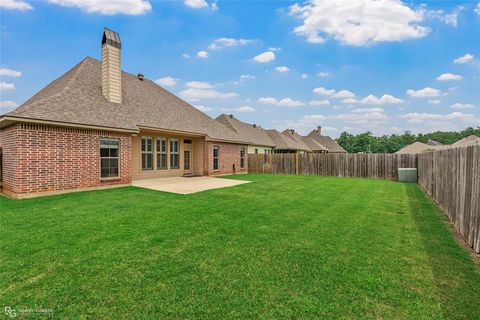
[
  {"x": 229, "y": 154},
  {"x": 38, "y": 158}
]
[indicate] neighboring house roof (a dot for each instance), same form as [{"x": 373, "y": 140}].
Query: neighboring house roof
[
  {"x": 416, "y": 147},
  {"x": 247, "y": 132},
  {"x": 434, "y": 143},
  {"x": 313, "y": 144},
  {"x": 282, "y": 142},
  {"x": 300, "y": 145},
  {"x": 76, "y": 98},
  {"x": 471, "y": 140},
  {"x": 327, "y": 142}
]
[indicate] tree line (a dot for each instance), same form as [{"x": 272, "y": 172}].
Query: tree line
[{"x": 368, "y": 143}]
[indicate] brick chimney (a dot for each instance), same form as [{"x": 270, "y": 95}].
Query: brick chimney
[{"x": 111, "y": 70}]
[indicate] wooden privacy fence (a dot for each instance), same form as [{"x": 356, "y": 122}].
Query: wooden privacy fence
[
  {"x": 452, "y": 178},
  {"x": 381, "y": 165}
]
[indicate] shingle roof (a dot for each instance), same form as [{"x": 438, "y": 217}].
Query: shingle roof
[
  {"x": 313, "y": 144},
  {"x": 76, "y": 98},
  {"x": 247, "y": 132},
  {"x": 417, "y": 147},
  {"x": 327, "y": 142},
  {"x": 282, "y": 142},
  {"x": 471, "y": 140},
  {"x": 300, "y": 145}
]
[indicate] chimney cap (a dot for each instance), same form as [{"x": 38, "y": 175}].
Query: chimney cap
[
  {"x": 112, "y": 38},
  {"x": 140, "y": 76}
]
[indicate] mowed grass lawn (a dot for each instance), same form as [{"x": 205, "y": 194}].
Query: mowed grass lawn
[{"x": 279, "y": 247}]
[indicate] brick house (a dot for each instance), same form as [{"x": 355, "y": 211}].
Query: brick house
[{"x": 97, "y": 126}]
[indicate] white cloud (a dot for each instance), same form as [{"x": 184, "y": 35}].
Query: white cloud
[
  {"x": 196, "y": 4},
  {"x": 350, "y": 101},
  {"x": 195, "y": 94},
  {"x": 202, "y": 54},
  {"x": 323, "y": 74},
  {"x": 198, "y": 85},
  {"x": 267, "y": 100},
  {"x": 244, "y": 77},
  {"x": 359, "y": 22},
  {"x": 342, "y": 94},
  {"x": 246, "y": 109},
  {"x": 203, "y": 108},
  {"x": 274, "y": 49},
  {"x": 6, "y": 106},
  {"x": 15, "y": 5},
  {"x": 285, "y": 102},
  {"x": 167, "y": 81},
  {"x": 385, "y": 99},
  {"x": 10, "y": 72},
  {"x": 282, "y": 69},
  {"x": 229, "y": 42},
  {"x": 316, "y": 103},
  {"x": 424, "y": 93},
  {"x": 306, "y": 122},
  {"x": 367, "y": 110},
  {"x": 477, "y": 9},
  {"x": 451, "y": 19},
  {"x": 111, "y": 7},
  {"x": 267, "y": 56},
  {"x": 186, "y": 56},
  {"x": 6, "y": 86},
  {"x": 304, "y": 76},
  {"x": 462, "y": 106},
  {"x": 415, "y": 117},
  {"x": 363, "y": 116},
  {"x": 464, "y": 59},
  {"x": 323, "y": 91},
  {"x": 434, "y": 101},
  {"x": 448, "y": 77},
  {"x": 289, "y": 102}
]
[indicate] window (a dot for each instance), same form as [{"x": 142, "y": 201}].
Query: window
[
  {"x": 242, "y": 157},
  {"x": 186, "y": 159},
  {"x": 187, "y": 141},
  {"x": 161, "y": 153},
  {"x": 174, "y": 154},
  {"x": 256, "y": 151},
  {"x": 109, "y": 155},
  {"x": 147, "y": 153},
  {"x": 215, "y": 157},
  {"x": 265, "y": 151}
]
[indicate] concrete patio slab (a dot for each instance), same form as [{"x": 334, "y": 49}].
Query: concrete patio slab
[{"x": 184, "y": 185}]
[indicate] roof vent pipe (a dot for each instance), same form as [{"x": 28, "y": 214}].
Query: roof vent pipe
[
  {"x": 319, "y": 130},
  {"x": 140, "y": 76},
  {"x": 292, "y": 131},
  {"x": 231, "y": 116},
  {"x": 254, "y": 125}
]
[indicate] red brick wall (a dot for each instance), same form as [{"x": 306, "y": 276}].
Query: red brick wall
[
  {"x": 229, "y": 154},
  {"x": 40, "y": 158}
]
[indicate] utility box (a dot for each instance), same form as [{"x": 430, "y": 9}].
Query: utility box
[{"x": 407, "y": 175}]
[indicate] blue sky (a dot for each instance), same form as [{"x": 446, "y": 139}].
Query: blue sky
[{"x": 384, "y": 66}]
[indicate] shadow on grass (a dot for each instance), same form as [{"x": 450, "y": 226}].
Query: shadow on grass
[{"x": 456, "y": 276}]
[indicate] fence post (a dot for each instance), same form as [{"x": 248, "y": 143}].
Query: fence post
[{"x": 296, "y": 163}]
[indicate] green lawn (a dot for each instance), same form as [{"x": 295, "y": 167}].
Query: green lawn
[{"x": 279, "y": 247}]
